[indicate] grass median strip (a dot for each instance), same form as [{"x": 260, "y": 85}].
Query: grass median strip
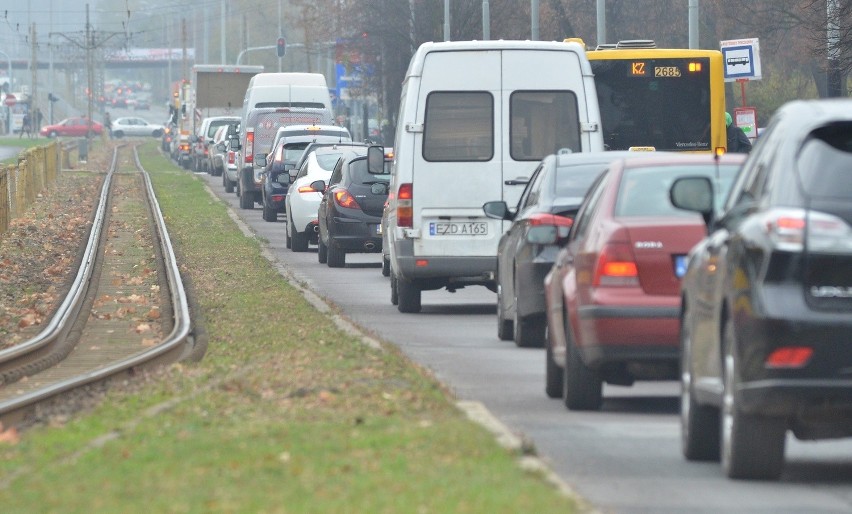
[{"x": 285, "y": 413}]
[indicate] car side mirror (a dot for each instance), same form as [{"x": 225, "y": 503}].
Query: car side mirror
[
  {"x": 235, "y": 144},
  {"x": 293, "y": 173},
  {"x": 375, "y": 160},
  {"x": 221, "y": 147},
  {"x": 498, "y": 210},
  {"x": 260, "y": 160},
  {"x": 318, "y": 186},
  {"x": 693, "y": 194}
]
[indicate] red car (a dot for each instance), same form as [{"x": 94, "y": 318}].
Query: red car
[
  {"x": 613, "y": 294},
  {"x": 74, "y": 127}
]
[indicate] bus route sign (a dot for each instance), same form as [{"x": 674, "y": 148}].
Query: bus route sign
[{"x": 741, "y": 59}]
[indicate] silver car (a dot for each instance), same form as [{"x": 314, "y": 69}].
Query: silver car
[{"x": 133, "y": 126}]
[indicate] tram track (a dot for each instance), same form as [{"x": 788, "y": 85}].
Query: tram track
[{"x": 125, "y": 310}]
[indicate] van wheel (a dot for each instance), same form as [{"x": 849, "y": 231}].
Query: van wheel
[
  {"x": 394, "y": 290},
  {"x": 336, "y": 256},
  {"x": 229, "y": 186},
  {"x": 409, "y": 296},
  {"x": 246, "y": 200},
  {"x": 700, "y": 430},
  {"x": 385, "y": 266},
  {"x": 322, "y": 250}
]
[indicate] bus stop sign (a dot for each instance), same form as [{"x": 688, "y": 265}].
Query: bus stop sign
[{"x": 741, "y": 59}]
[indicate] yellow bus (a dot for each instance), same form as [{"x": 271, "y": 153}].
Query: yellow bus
[{"x": 669, "y": 99}]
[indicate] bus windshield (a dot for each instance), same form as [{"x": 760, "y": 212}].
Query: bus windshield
[{"x": 665, "y": 103}]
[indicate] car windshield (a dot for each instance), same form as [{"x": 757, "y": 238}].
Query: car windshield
[
  {"x": 293, "y": 151},
  {"x": 327, "y": 161},
  {"x": 644, "y": 191}
]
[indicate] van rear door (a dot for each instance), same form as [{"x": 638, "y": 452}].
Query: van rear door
[{"x": 456, "y": 165}]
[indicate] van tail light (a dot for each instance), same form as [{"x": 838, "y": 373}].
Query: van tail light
[
  {"x": 232, "y": 157},
  {"x": 404, "y": 206},
  {"x": 789, "y": 228},
  {"x": 616, "y": 267},
  {"x": 344, "y": 199},
  {"x": 249, "y": 151},
  {"x": 562, "y": 223}
]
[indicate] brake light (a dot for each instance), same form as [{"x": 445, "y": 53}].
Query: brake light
[
  {"x": 278, "y": 198},
  {"x": 616, "y": 267},
  {"x": 562, "y": 223},
  {"x": 344, "y": 199},
  {"x": 404, "y": 206},
  {"x": 249, "y": 152},
  {"x": 787, "y": 228},
  {"x": 789, "y": 357},
  {"x": 231, "y": 157}
]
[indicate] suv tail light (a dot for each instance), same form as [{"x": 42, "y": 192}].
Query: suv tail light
[
  {"x": 344, "y": 199},
  {"x": 789, "y": 228},
  {"x": 249, "y": 151},
  {"x": 404, "y": 207},
  {"x": 616, "y": 267}
]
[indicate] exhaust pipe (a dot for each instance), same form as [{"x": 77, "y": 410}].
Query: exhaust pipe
[
  {"x": 369, "y": 245},
  {"x": 316, "y": 229}
]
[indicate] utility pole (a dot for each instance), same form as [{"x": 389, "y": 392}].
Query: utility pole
[
  {"x": 693, "y": 24},
  {"x": 446, "y": 20},
  {"x": 534, "y": 10},
  {"x": 601, "y": 22},
  {"x": 486, "y": 20},
  {"x": 183, "y": 41},
  {"x": 34, "y": 64}
]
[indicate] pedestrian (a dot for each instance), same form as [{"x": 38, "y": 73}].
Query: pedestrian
[
  {"x": 25, "y": 126},
  {"x": 38, "y": 118},
  {"x": 108, "y": 125},
  {"x": 738, "y": 142}
]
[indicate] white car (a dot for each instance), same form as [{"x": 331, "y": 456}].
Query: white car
[
  {"x": 133, "y": 126},
  {"x": 302, "y": 201}
]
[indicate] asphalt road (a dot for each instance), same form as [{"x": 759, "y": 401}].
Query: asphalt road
[{"x": 623, "y": 459}]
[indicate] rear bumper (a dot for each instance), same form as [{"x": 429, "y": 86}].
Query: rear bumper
[
  {"x": 628, "y": 333},
  {"x": 444, "y": 270},
  {"x": 356, "y": 235}
]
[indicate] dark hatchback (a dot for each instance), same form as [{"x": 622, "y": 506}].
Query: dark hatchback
[
  {"x": 540, "y": 223},
  {"x": 350, "y": 211},
  {"x": 766, "y": 318}
]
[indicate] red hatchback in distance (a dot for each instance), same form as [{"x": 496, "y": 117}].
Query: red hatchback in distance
[
  {"x": 613, "y": 295},
  {"x": 73, "y": 127}
]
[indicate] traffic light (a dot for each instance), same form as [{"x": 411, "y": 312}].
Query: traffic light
[{"x": 282, "y": 46}]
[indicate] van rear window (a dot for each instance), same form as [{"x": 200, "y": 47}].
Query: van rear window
[
  {"x": 459, "y": 126},
  {"x": 543, "y": 122},
  {"x": 311, "y": 105},
  {"x": 825, "y": 162}
]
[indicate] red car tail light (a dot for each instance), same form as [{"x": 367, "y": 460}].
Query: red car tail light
[
  {"x": 616, "y": 267},
  {"x": 404, "y": 206},
  {"x": 307, "y": 189},
  {"x": 231, "y": 157},
  {"x": 789, "y": 357},
  {"x": 344, "y": 199},
  {"x": 550, "y": 228},
  {"x": 249, "y": 152}
]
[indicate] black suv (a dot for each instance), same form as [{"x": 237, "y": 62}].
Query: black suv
[
  {"x": 350, "y": 211},
  {"x": 766, "y": 316}
]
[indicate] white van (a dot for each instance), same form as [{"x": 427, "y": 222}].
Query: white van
[
  {"x": 475, "y": 119},
  {"x": 274, "y": 100}
]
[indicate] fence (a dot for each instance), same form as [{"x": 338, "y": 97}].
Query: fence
[{"x": 21, "y": 183}]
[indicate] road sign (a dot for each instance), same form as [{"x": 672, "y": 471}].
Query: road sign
[
  {"x": 10, "y": 100},
  {"x": 746, "y": 119},
  {"x": 741, "y": 59}
]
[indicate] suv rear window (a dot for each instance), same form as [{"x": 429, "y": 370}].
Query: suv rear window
[
  {"x": 825, "y": 162},
  {"x": 459, "y": 126}
]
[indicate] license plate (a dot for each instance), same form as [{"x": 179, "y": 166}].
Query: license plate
[
  {"x": 680, "y": 264},
  {"x": 453, "y": 228}
]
